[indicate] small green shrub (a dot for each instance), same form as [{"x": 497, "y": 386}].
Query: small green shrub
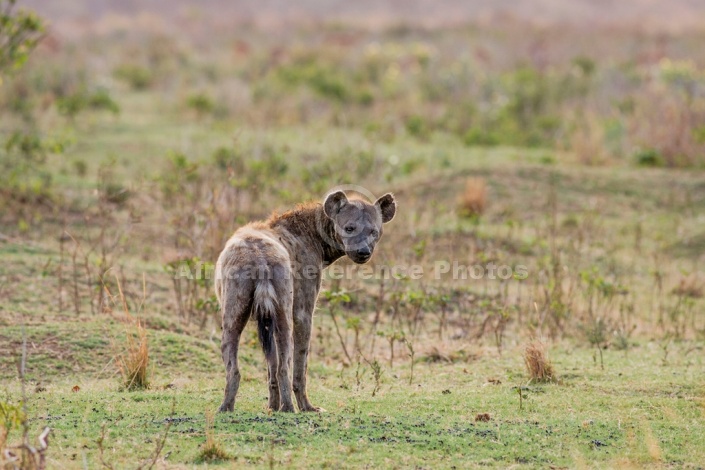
[
  {"x": 365, "y": 97},
  {"x": 648, "y": 157},
  {"x": 73, "y": 104},
  {"x": 585, "y": 64},
  {"x": 100, "y": 100},
  {"x": 229, "y": 159},
  {"x": 11, "y": 416},
  {"x": 329, "y": 86},
  {"x": 20, "y": 32},
  {"x": 416, "y": 126},
  {"x": 110, "y": 188},
  {"x": 136, "y": 76},
  {"x": 23, "y": 165},
  {"x": 80, "y": 167},
  {"x": 480, "y": 137},
  {"x": 323, "y": 79},
  {"x": 201, "y": 103},
  {"x": 178, "y": 176},
  {"x": 268, "y": 169}
]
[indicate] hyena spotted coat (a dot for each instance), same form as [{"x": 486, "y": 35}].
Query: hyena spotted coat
[{"x": 272, "y": 271}]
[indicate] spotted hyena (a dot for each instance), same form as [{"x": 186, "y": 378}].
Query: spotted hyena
[{"x": 272, "y": 271}]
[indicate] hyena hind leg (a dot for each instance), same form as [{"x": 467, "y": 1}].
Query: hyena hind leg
[
  {"x": 284, "y": 342},
  {"x": 266, "y": 333},
  {"x": 236, "y": 313}
]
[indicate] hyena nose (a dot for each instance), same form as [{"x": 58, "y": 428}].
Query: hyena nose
[{"x": 364, "y": 252}]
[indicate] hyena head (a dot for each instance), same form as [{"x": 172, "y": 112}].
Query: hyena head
[{"x": 358, "y": 224}]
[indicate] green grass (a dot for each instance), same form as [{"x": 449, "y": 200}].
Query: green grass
[
  {"x": 647, "y": 407},
  {"x": 635, "y": 412}
]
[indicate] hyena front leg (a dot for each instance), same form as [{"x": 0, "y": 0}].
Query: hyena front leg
[
  {"x": 304, "y": 304},
  {"x": 302, "y": 339}
]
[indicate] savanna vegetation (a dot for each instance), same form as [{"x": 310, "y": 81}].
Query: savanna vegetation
[{"x": 571, "y": 161}]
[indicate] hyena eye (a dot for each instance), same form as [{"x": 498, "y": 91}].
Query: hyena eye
[
  {"x": 375, "y": 233},
  {"x": 349, "y": 229}
]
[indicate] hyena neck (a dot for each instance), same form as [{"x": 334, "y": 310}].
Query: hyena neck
[
  {"x": 309, "y": 224},
  {"x": 328, "y": 238}
]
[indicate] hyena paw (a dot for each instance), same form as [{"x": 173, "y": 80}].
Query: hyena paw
[
  {"x": 287, "y": 408},
  {"x": 225, "y": 408},
  {"x": 313, "y": 409}
]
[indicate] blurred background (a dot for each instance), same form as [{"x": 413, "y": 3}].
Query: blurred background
[
  {"x": 673, "y": 16},
  {"x": 565, "y": 136},
  {"x": 598, "y": 82}
]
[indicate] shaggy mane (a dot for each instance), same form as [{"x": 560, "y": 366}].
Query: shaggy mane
[{"x": 299, "y": 208}]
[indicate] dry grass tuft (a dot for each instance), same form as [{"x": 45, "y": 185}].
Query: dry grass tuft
[
  {"x": 689, "y": 287},
  {"x": 483, "y": 417},
  {"x": 474, "y": 199},
  {"x": 587, "y": 141},
  {"x": 211, "y": 450},
  {"x": 133, "y": 361},
  {"x": 537, "y": 363}
]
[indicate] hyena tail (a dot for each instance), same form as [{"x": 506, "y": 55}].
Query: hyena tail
[{"x": 265, "y": 310}]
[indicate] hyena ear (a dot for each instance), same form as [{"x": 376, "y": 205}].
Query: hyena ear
[
  {"x": 387, "y": 206},
  {"x": 334, "y": 202}
]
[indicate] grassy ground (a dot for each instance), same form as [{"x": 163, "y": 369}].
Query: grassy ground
[
  {"x": 614, "y": 257},
  {"x": 644, "y": 408}
]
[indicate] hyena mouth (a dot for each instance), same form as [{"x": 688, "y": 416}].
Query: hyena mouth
[{"x": 361, "y": 259}]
